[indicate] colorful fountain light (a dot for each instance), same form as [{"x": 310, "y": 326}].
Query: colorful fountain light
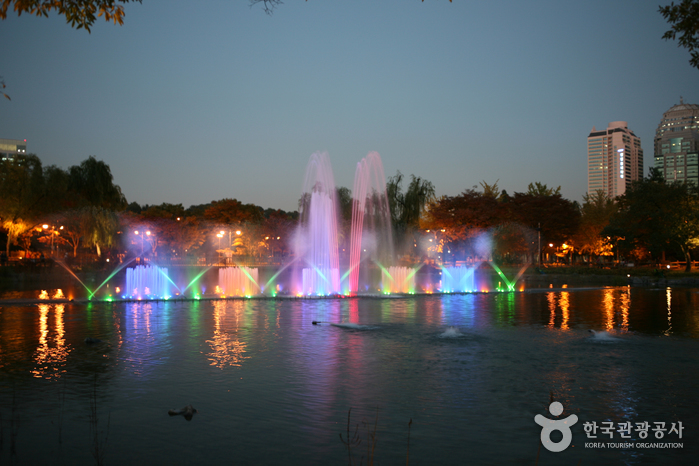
[
  {"x": 147, "y": 282},
  {"x": 371, "y": 231},
  {"x": 238, "y": 281},
  {"x": 398, "y": 279},
  {"x": 316, "y": 240},
  {"x": 458, "y": 279}
]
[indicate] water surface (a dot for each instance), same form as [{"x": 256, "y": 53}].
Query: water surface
[{"x": 469, "y": 371}]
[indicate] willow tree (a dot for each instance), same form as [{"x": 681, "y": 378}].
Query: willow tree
[
  {"x": 407, "y": 207},
  {"x": 22, "y": 191}
]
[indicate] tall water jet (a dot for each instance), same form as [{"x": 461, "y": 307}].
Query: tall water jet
[
  {"x": 316, "y": 239},
  {"x": 238, "y": 281},
  {"x": 371, "y": 218},
  {"x": 147, "y": 282}
]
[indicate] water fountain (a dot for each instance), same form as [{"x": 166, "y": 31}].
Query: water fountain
[
  {"x": 317, "y": 268},
  {"x": 398, "y": 279},
  {"x": 316, "y": 240},
  {"x": 147, "y": 282},
  {"x": 458, "y": 279},
  {"x": 238, "y": 281},
  {"x": 371, "y": 231}
]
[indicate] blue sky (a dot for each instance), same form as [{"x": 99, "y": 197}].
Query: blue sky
[{"x": 192, "y": 101}]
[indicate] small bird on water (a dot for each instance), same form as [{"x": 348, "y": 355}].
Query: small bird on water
[{"x": 188, "y": 411}]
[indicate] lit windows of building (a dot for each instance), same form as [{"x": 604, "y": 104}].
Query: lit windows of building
[
  {"x": 676, "y": 145},
  {"x": 614, "y": 159}
]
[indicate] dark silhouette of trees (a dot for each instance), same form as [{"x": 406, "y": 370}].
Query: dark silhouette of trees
[
  {"x": 684, "y": 20},
  {"x": 545, "y": 208},
  {"x": 658, "y": 215},
  {"x": 92, "y": 180}
]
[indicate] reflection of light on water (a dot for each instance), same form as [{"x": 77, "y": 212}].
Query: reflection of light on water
[
  {"x": 668, "y": 294},
  {"x": 227, "y": 349},
  {"x": 608, "y": 302},
  {"x": 50, "y": 360},
  {"x": 625, "y": 305},
  {"x": 551, "y": 298},
  {"x": 564, "y": 304}
]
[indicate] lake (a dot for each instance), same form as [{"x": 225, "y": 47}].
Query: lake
[{"x": 432, "y": 379}]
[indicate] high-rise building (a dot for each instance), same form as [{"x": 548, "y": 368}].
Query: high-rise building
[
  {"x": 614, "y": 159},
  {"x": 676, "y": 147}
]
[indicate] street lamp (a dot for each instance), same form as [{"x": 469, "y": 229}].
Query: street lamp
[
  {"x": 219, "y": 236},
  {"x": 136, "y": 232},
  {"x": 52, "y": 233}
]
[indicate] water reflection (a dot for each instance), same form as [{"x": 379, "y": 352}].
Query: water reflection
[
  {"x": 51, "y": 354},
  {"x": 668, "y": 294},
  {"x": 564, "y": 304},
  {"x": 624, "y": 306},
  {"x": 227, "y": 346}
]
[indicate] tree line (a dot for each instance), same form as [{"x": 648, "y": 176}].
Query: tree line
[{"x": 82, "y": 209}]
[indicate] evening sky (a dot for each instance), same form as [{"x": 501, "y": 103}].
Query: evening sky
[{"x": 192, "y": 101}]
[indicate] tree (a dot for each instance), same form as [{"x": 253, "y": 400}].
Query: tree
[
  {"x": 22, "y": 192},
  {"x": 100, "y": 228},
  {"x": 544, "y": 209},
  {"x": 233, "y": 212},
  {"x": 407, "y": 207},
  {"x": 658, "y": 215},
  {"x": 92, "y": 180},
  {"x": 79, "y": 13},
  {"x": 540, "y": 189},
  {"x": 596, "y": 212},
  {"x": 684, "y": 18}
]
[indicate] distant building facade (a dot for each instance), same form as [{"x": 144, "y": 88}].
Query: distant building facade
[
  {"x": 614, "y": 159},
  {"x": 12, "y": 150},
  {"x": 676, "y": 146}
]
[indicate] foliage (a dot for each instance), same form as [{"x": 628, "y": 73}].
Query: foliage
[
  {"x": 596, "y": 211},
  {"x": 78, "y": 13},
  {"x": 544, "y": 209},
  {"x": 463, "y": 216},
  {"x": 92, "y": 180},
  {"x": 684, "y": 20},
  {"x": 407, "y": 207},
  {"x": 657, "y": 215},
  {"x": 99, "y": 227},
  {"x": 540, "y": 189},
  {"x": 22, "y": 192},
  {"x": 491, "y": 190},
  {"x": 233, "y": 212}
]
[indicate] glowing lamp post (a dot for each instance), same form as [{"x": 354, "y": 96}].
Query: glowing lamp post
[
  {"x": 52, "y": 233},
  {"x": 137, "y": 233},
  {"x": 219, "y": 236}
]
